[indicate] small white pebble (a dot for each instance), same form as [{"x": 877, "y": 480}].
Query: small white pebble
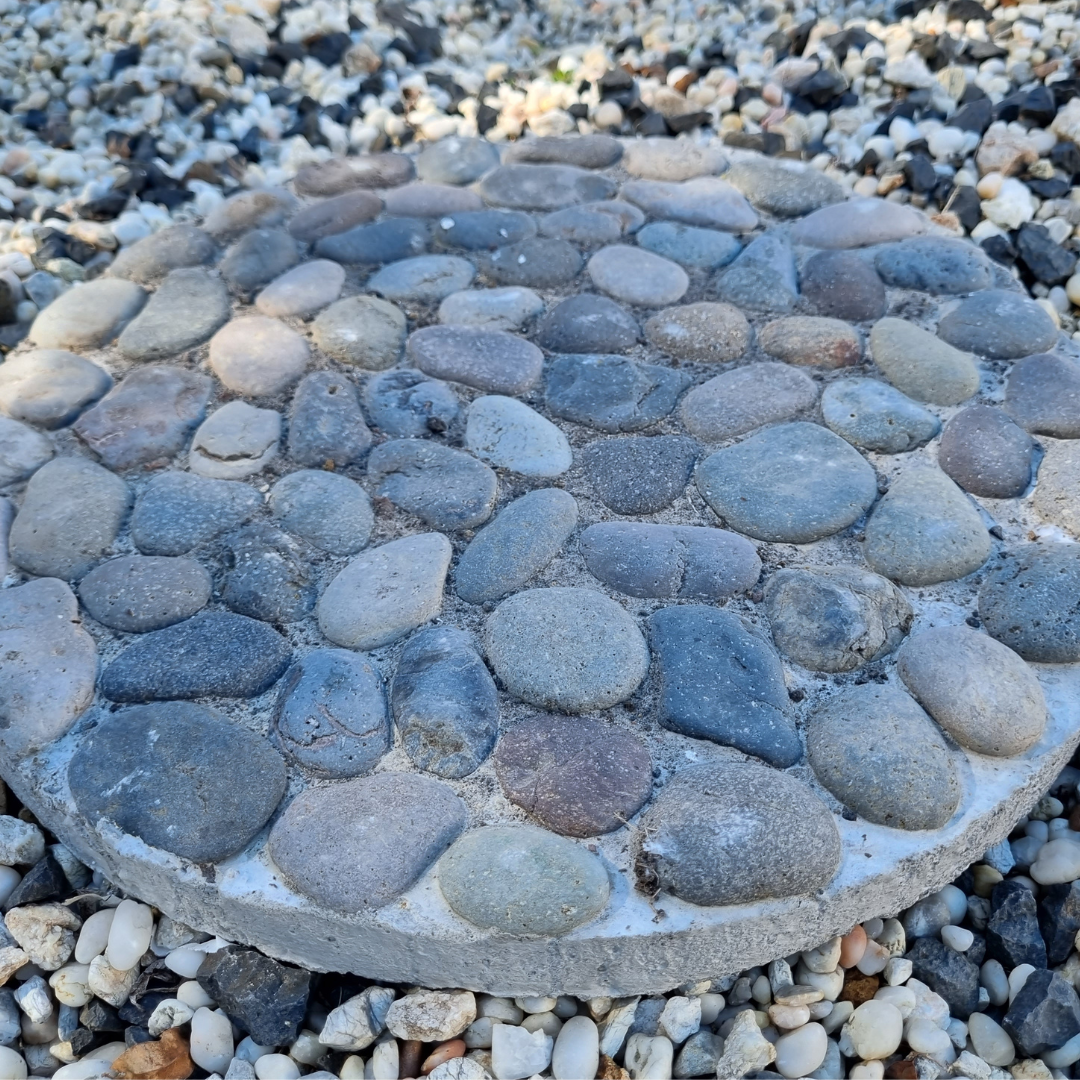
[
  {"x": 94, "y": 936},
  {"x": 130, "y": 934},
  {"x": 957, "y": 938},
  {"x": 276, "y": 1067}
]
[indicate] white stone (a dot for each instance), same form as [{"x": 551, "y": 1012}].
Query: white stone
[
  {"x": 875, "y": 1029},
  {"x": 276, "y": 1067},
  {"x": 432, "y": 1015},
  {"x": 957, "y": 938},
  {"x": 1058, "y": 861},
  {"x": 956, "y": 901},
  {"x": 925, "y": 1037},
  {"x": 71, "y": 985},
  {"x": 306, "y": 1048},
  {"x": 1066, "y": 1055},
  {"x": 824, "y": 958},
  {"x": 170, "y": 1013},
  {"x": 649, "y": 1058},
  {"x": 9, "y": 879},
  {"x": 840, "y": 1015},
  {"x": 193, "y": 995},
  {"x": 499, "y": 1008},
  {"x": 787, "y": 1017},
  {"x": 12, "y": 1064},
  {"x": 711, "y": 1007},
  {"x": 384, "y": 1059},
  {"x": 33, "y": 998},
  {"x": 21, "y": 842},
  {"x": 250, "y": 1051},
  {"x": 130, "y": 934},
  {"x": 358, "y": 1022},
  {"x": 680, "y": 1018},
  {"x": 517, "y": 1053},
  {"x": 1017, "y": 978},
  {"x": 1013, "y": 205},
  {"x": 898, "y": 971},
  {"x": 800, "y": 1052},
  {"x": 186, "y": 960},
  {"x": 577, "y": 1050},
  {"x": 211, "y": 1045},
  {"x": 109, "y": 984},
  {"x": 991, "y": 1041},
  {"x": 745, "y": 1048},
  {"x": 507, "y": 434},
  {"x": 831, "y": 983},
  {"x": 235, "y": 441},
  {"x": 616, "y": 1024},
  {"x": 45, "y": 932},
  {"x": 903, "y": 997},
  {"x": 94, "y": 936},
  {"x": 928, "y": 1005},
  {"x": 546, "y": 1022},
  {"x": 874, "y": 958},
  {"x": 462, "y": 1068}
]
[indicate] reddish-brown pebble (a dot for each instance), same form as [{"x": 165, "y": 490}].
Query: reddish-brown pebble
[
  {"x": 445, "y": 1051},
  {"x": 852, "y": 947}
]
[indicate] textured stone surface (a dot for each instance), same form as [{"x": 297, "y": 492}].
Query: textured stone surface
[
  {"x": 406, "y": 403},
  {"x": 168, "y": 249},
  {"x": 506, "y": 308},
  {"x": 258, "y": 257},
  {"x": 489, "y": 360},
  {"x": 688, "y": 245},
  {"x": 922, "y": 366},
  {"x": 381, "y": 242},
  {"x": 1055, "y": 493},
  {"x": 332, "y": 216},
  {"x": 50, "y": 387},
  {"x": 986, "y": 453},
  {"x": 704, "y": 200},
  {"x": 709, "y": 332},
  {"x": 1042, "y": 394},
  {"x": 303, "y": 290},
  {"x": 258, "y": 356},
  {"x": 507, "y": 434},
  {"x": 875, "y": 416},
  {"x": 637, "y": 277},
  {"x": 326, "y": 423},
  {"x": 329, "y": 511},
  {"x": 188, "y": 306},
  {"x": 934, "y": 264},
  {"x": 781, "y": 189},
  {"x": 1044, "y": 1015},
  {"x": 858, "y": 223},
  {"x": 543, "y": 187},
  {"x": 265, "y": 575},
  {"x": 22, "y": 451},
  {"x": 843, "y": 285},
  {"x": 1001, "y": 325},
  {"x": 763, "y": 277},
  {"x": 88, "y": 316},
  {"x": 482, "y": 230},
  {"x": 137, "y": 593},
  {"x": 236, "y": 441},
  {"x": 587, "y": 324},
  {"x": 425, "y": 279},
  {"x": 637, "y": 474},
  {"x": 664, "y": 159},
  {"x": 811, "y": 340},
  {"x": 538, "y": 263}
]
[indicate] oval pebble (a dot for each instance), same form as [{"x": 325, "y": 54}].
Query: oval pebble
[
  {"x": 424, "y": 279},
  {"x": 507, "y": 434},
  {"x": 875, "y": 416},
  {"x": 138, "y": 593},
  {"x": 637, "y": 277},
  {"x": 707, "y": 332},
  {"x": 330, "y": 511},
  {"x": 258, "y": 356},
  {"x": 361, "y": 330},
  {"x": 489, "y": 360}
]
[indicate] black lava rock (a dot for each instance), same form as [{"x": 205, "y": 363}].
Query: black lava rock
[
  {"x": 1038, "y": 106},
  {"x": 1012, "y": 934},
  {"x": 1066, "y": 156},
  {"x": 948, "y": 973},
  {"x": 999, "y": 249},
  {"x": 45, "y": 880},
  {"x": 920, "y": 173},
  {"x": 127, "y": 57},
  {"x": 328, "y": 48},
  {"x": 1059, "y": 919},
  {"x": 1047, "y": 260},
  {"x": 1044, "y": 1015},
  {"x": 975, "y": 116},
  {"x": 965, "y": 11},
  {"x": 966, "y": 205}
]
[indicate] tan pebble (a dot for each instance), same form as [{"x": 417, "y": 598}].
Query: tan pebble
[{"x": 852, "y": 947}]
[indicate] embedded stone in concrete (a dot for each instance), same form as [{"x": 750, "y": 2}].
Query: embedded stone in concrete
[
  {"x": 22, "y": 451},
  {"x": 709, "y": 332},
  {"x": 507, "y": 434},
  {"x": 704, "y": 200},
  {"x": 88, "y": 316},
  {"x": 998, "y": 324},
  {"x": 921, "y": 365},
  {"x": 857, "y": 223},
  {"x": 50, "y": 387},
  {"x": 405, "y": 403},
  {"x": 1058, "y": 479},
  {"x": 784, "y": 189},
  {"x": 639, "y": 475},
  {"x": 326, "y": 425},
  {"x": 188, "y": 306},
  {"x": 986, "y": 453},
  {"x": 137, "y": 593},
  {"x": 1042, "y": 394},
  {"x": 543, "y": 187},
  {"x": 168, "y": 249},
  {"x": 327, "y": 510},
  {"x": 489, "y": 360},
  {"x": 236, "y": 441},
  {"x": 333, "y": 216},
  {"x": 812, "y": 341},
  {"x": 258, "y": 356},
  {"x": 875, "y": 416}
]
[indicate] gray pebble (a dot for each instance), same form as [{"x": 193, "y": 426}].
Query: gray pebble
[
  {"x": 262, "y": 208},
  {"x": 407, "y": 404},
  {"x": 585, "y": 151},
  {"x": 188, "y": 307},
  {"x": 482, "y": 230},
  {"x": 330, "y": 217},
  {"x": 922, "y": 365},
  {"x": 237, "y": 440},
  {"x": 22, "y": 451},
  {"x": 672, "y": 159},
  {"x": 762, "y": 277},
  {"x": 637, "y": 276},
  {"x": 588, "y": 323},
  {"x": 258, "y": 356},
  {"x": 1001, "y": 325},
  {"x": 258, "y": 257},
  {"x": 328, "y": 510},
  {"x": 425, "y": 200},
  {"x": 783, "y": 190},
  {"x": 382, "y": 242},
  {"x": 935, "y": 264},
  {"x": 638, "y": 474},
  {"x": 265, "y": 575},
  {"x": 539, "y": 263},
  {"x": 698, "y": 249},
  {"x": 855, "y": 223},
  {"x": 425, "y": 279},
  {"x": 708, "y": 332},
  {"x": 1042, "y": 394},
  {"x": 326, "y": 423},
  {"x": 508, "y": 308},
  {"x": 138, "y": 593},
  {"x": 168, "y": 249},
  {"x": 88, "y": 316},
  {"x": 489, "y": 360},
  {"x": 302, "y": 291},
  {"x": 986, "y": 453},
  {"x": 703, "y": 200},
  {"x": 843, "y": 285},
  {"x": 456, "y": 160},
  {"x": 875, "y": 416},
  {"x": 50, "y": 387},
  {"x": 582, "y": 225},
  {"x": 543, "y": 187},
  {"x": 360, "y": 171}
]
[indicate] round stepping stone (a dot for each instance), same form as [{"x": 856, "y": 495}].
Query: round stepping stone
[
  {"x": 50, "y": 387},
  {"x": 361, "y": 330},
  {"x": 302, "y": 291},
  {"x": 637, "y": 277},
  {"x": 935, "y": 264},
  {"x": 999, "y": 324},
  {"x": 874, "y": 416},
  {"x": 835, "y": 618},
  {"x": 517, "y": 879},
  {"x": 491, "y": 309},
  {"x": 326, "y": 424},
  {"x": 665, "y": 561},
  {"x": 1058, "y": 482},
  {"x": 70, "y": 516},
  {"x": 265, "y": 208},
  {"x": 236, "y": 441},
  {"x": 385, "y": 592},
  {"x": 577, "y": 777},
  {"x": 735, "y": 833},
  {"x": 446, "y": 488},
  {"x": 331, "y": 716},
  {"x": 213, "y": 653},
  {"x": 986, "y": 453},
  {"x": 87, "y": 316},
  {"x": 698, "y": 249},
  {"x": 407, "y": 404},
  {"x": 333, "y": 216},
  {"x": 346, "y": 174},
  {"x": 524, "y": 537},
  {"x": 568, "y": 649},
  {"x": 50, "y": 663},
  {"x": 1042, "y": 394},
  {"x": 540, "y": 263},
  {"x": 876, "y": 750},
  {"x": 791, "y": 484},
  {"x": 978, "y": 690},
  {"x": 587, "y": 324},
  {"x": 258, "y": 257},
  {"x": 611, "y": 393},
  {"x": 1028, "y": 602},
  {"x": 258, "y": 356},
  {"x": 187, "y": 308},
  {"x": 763, "y": 277},
  {"x": 507, "y": 434},
  {"x": 921, "y": 365},
  {"x": 783, "y": 190},
  {"x": 704, "y": 201},
  {"x": 543, "y": 187},
  {"x": 266, "y": 575},
  {"x": 746, "y": 398},
  {"x": 843, "y": 285},
  {"x": 382, "y": 242},
  {"x": 445, "y": 704},
  {"x": 925, "y": 530},
  {"x": 638, "y": 475},
  {"x": 582, "y": 225},
  {"x": 147, "y": 418},
  {"x": 423, "y": 200},
  {"x": 857, "y": 223},
  {"x": 811, "y": 341},
  {"x": 482, "y": 230},
  {"x": 708, "y": 332},
  {"x": 138, "y": 593},
  {"x": 669, "y": 159},
  {"x": 456, "y": 160},
  {"x": 155, "y": 255},
  {"x": 179, "y": 511},
  {"x": 327, "y": 510},
  {"x": 585, "y": 151},
  {"x": 22, "y": 451},
  {"x": 722, "y": 681},
  {"x": 489, "y": 360},
  {"x": 360, "y": 844},
  {"x": 426, "y": 279},
  {"x": 179, "y": 777}
]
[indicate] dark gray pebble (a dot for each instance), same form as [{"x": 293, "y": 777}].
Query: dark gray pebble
[{"x": 326, "y": 423}]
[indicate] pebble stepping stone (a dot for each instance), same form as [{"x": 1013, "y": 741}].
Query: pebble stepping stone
[
  {"x": 666, "y": 561},
  {"x": 539, "y": 263},
  {"x": 588, "y": 324},
  {"x": 489, "y": 360},
  {"x": 783, "y": 190},
  {"x": 329, "y": 511},
  {"x": 265, "y": 575},
  {"x": 50, "y": 387},
  {"x": 857, "y": 223},
  {"x": 482, "y": 230},
  {"x": 264, "y": 208},
  {"x": 179, "y": 777},
  {"x": 507, "y": 308},
  {"x": 187, "y": 308},
  {"x": 407, "y": 404},
  {"x": 445, "y": 704},
  {"x": 582, "y": 225},
  {"x": 258, "y": 257},
  {"x": 984, "y": 452},
  {"x": 331, "y": 716},
  {"x": 665, "y": 159},
  {"x": 360, "y": 844},
  {"x": 382, "y": 242},
  {"x": 139, "y": 593},
  {"x": 1059, "y": 476},
  {"x": 236, "y": 441},
  {"x": 326, "y": 423},
  {"x": 543, "y": 187},
  {"x": 155, "y": 255},
  {"x": 257, "y": 356},
  {"x": 707, "y": 332},
  {"x": 576, "y": 777},
  {"x": 361, "y": 330},
  {"x": 791, "y": 484},
  {"x": 705, "y": 201},
  {"x": 735, "y": 833},
  {"x": 331, "y": 217},
  {"x": 925, "y": 530},
  {"x": 88, "y": 316},
  {"x": 425, "y": 279},
  {"x": 22, "y": 451},
  {"x": 722, "y": 681},
  {"x": 810, "y": 340},
  {"x": 688, "y": 245},
  {"x": 872, "y": 415},
  {"x": 584, "y": 151},
  {"x": 998, "y": 324},
  {"x": 420, "y": 199},
  {"x": 568, "y": 649},
  {"x": 762, "y": 277},
  {"x": 835, "y": 618},
  {"x": 639, "y": 475},
  {"x": 843, "y": 285},
  {"x": 922, "y": 366},
  {"x": 302, "y": 291},
  {"x": 1042, "y": 394},
  {"x": 507, "y": 434},
  {"x": 876, "y": 750},
  {"x": 977, "y": 689},
  {"x": 935, "y": 264},
  {"x": 456, "y": 160},
  {"x": 347, "y": 174}
]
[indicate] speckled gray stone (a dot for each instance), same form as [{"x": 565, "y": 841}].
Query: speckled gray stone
[
  {"x": 329, "y": 217},
  {"x": 538, "y": 263},
  {"x": 708, "y": 332},
  {"x": 303, "y": 290},
  {"x": 661, "y": 158},
  {"x": 406, "y": 403},
  {"x": 258, "y": 257},
  {"x": 855, "y": 223},
  {"x": 1001, "y": 325},
  {"x": 783, "y": 189},
  {"x": 1055, "y": 498},
  {"x": 875, "y": 416},
  {"x": 639, "y": 474},
  {"x": 137, "y": 593},
  {"x": 489, "y": 360},
  {"x": 266, "y": 575},
  {"x": 543, "y": 187},
  {"x": 762, "y": 278},
  {"x": 582, "y": 225},
  {"x": 425, "y": 279},
  {"x": 507, "y": 434},
  {"x": 237, "y": 440},
  {"x": 986, "y": 453},
  {"x": 585, "y": 151},
  {"x": 1042, "y": 394},
  {"x": 50, "y": 387},
  {"x": 168, "y": 249},
  {"x": 360, "y": 171},
  {"x": 811, "y": 341},
  {"x": 507, "y": 308},
  {"x": 422, "y": 200},
  {"x": 326, "y": 423},
  {"x": 637, "y": 276},
  {"x": 22, "y": 451},
  {"x": 482, "y": 230},
  {"x": 456, "y": 160},
  {"x": 88, "y": 315},
  {"x": 187, "y": 308},
  {"x": 922, "y": 365},
  {"x": 843, "y": 285},
  {"x": 935, "y": 264},
  {"x": 700, "y": 249},
  {"x": 326, "y": 509},
  {"x": 588, "y": 323},
  {"x": 704, "y": 200}
]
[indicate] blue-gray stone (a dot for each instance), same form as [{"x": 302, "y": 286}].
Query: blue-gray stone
[
  {"x": 384, "y": 242},
  {"x": 455, "y": 160},
  {"x": 763, "y": 276},
  {"x": 843, "y": 285},
  {"x": 326, "y": 509},
  {"x": 482, "y": 230},
  {"x": 951, "y": 975},
  {"x": 783, "y": 189},
  {"x": 1013, "y": 935},
  {"x": 875, "y": 416},
  {"x": 543, "y": 187},
  {"x": 935, "y": 264},
  {"x": 266, "y": 575},
  {"x": 588, "y": 323},
  {"x": 408, "y": 404},
  {"x": 998, "y": 324},
  {"x": 539, "y": 263},
  {"x": 582, "y": 225},
  {"x": 1044, "y": 1015},
  {"x": 983, "y": 451},
  {"x": 638, "y": 474},
  {"x": 689, "y": 245},
  {"x": 326, "y": 423},
  {"x": 258, "y": 257},
  {"x": 138, "y": 593}
]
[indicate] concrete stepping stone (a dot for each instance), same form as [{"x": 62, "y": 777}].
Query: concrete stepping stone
[
  {"x": 873, "y": 415},
  {"x": 189, "y": 305},
  {"x": 156, "y": 255},
  {"x": 88, "y": 316},
  {"x": 704, "y": 201},
  {"x": 361, "y": 330},
  {"x": 489, "y": 360},
  {"x": 713, "y": 333},
  {"x": 139, "y": 593},
  {"x": 984, "y": 452},
  {"x": 543, "y": 187},
  {"x": 639, "y": 475},
  {"x": 326, "y": 423},
  {"x": 922, "y": 366}
]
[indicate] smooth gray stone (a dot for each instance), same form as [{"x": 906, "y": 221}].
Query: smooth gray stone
[
  {"x": 258, "y": 257},
  {"x": 543, "y": 187},
  {"x": 179, "y": 777},
  {"x": 188, "y": 307},
  {"x": 445, "y": 704},
  {"x": 588, "y": 323},
  {"x": 584, "y": 151},
  {"x": 424, "y": 279},
  {"x": 456, "y": 160},
  {"x": 687, "y": 561},
  {"x": 380, "y": 170},
  {"x": 423, "y": 200},
  {"x": 148, "y": 417},
  {"x": 843, "y": 285},
  {"x": 1042, "y": 394},
  {"x": 138, "y": 593},
  {"x": 361, "y": 330},
  {"x": 506, "y": 308},
  {"x": 935, "y": 264},
  {"x": 986, "y": 453},
  {"x": 326, "y": 422},
  {"x": 722, "y": 681},
  {"x": 490, "y": 360},
  {"x": 611, "y": 393},
  {"x": 791, "y": 484},
  {"x": 331, "y": 716},
  {"x": 358, "y": 845},
  {"x": 876, "y": 750},
  {"x": 168, "y": 249},
  {"x": 762, "y": 277},
  {"x": 835, "y": 618},
  {"x": 998, "y": 324},
  {"x": 22, "y": 452},
  {"x": 328, "y": 510},
  {"x": 875, "y": 416},
  {"x": 855, "y": 223},
  {"x": 524, "y": 537},
  {"x": 782, "y": 190},
  {"x": 702, "y": 200},
  {"x": 581, "y": 225},
  {"x": 637, "y": 474},
  {"x": 70, "y": 516},
  {"x": 50, "y": 387},
  {"x": 178, "y": 511},
  {"x": 382, "y": 242},
  {"x": 735, "y": 833},
  {"x": 1029, "y": 602},
  {"x": 445, "y": 488},
  {"x": 407, "y": 404},
  {"x": 88, "y": 316},
  {"x": 331, "y": 217},
  {"x": 538, "y": 263},
  {"x": 266, "y": 575},
  {"x": 262, "y": 207},
  {"x": 693, "y": 247},
  {"x": 481, "y": 230}
]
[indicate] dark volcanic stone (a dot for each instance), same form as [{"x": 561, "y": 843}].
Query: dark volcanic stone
[
  {"x": 45, "y": 880},
  {"x": 588, "y": 324},
  {"x": 948, "y": 973},
  {"x": 180, "y": 777},
  {"x": 266, "y": 575},
  {"x": 1059, "y": 920},
  {"x": 261, "y": 996},
  {"x": 843, "y": 285},
  {"x": 1046, "y": 259},
  {"x": 1013, "y": 935},
  {"x": 639, "y": 474},
  {"x": 986, "y": 453},
  {"x": 326, "y": 423},
  {"x": 1044, "y": 1015},
  {"x": 1042, "y": 395}
]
